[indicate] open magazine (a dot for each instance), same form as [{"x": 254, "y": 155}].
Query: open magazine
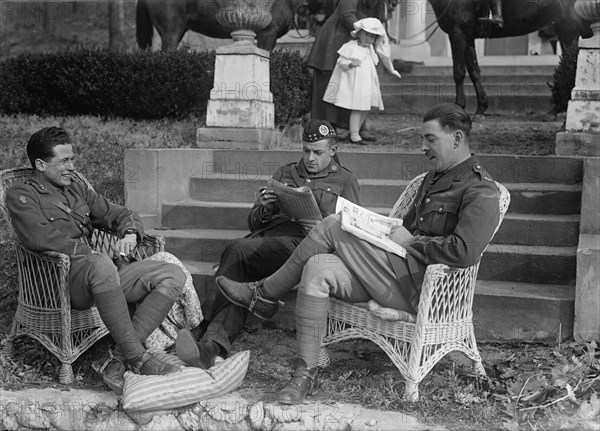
[
  {"x": 368, "y": 225},
  {"x": 296, "y": 202}
]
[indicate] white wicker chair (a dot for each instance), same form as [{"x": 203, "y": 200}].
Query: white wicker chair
[
  {"x": 44, "y": 306},
  {"x": 444, "y": 320}
]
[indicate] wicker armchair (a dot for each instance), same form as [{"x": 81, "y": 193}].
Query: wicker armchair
[
  {"x": 44, "y": 306},
  {"x": 444, "y": 320}
]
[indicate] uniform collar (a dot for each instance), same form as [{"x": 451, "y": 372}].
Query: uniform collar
[
  {"x": 332, "y": 167},
  {"x": 464, "y": 168},
  {"x": 456, "y": 173},
  {"x": 41, "y": 183}
]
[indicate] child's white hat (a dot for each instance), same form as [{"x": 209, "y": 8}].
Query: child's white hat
[{"x": 371, "y": 25}]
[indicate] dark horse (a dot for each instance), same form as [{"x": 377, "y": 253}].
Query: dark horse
[
  {"x": 172, "y": 18},
  {"x": 460, "y": 20}
]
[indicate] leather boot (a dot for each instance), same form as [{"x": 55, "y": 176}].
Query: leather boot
[
  {"x": 496, "y": 12},
  {"x": 111, "y": 367},
  {"x": 304, "y": 382},
  {"x": 249, "y": 296},
  {"x": 199, "y": 355},
  {"x": 150, "y": 365}
]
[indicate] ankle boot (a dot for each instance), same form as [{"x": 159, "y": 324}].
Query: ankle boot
[
  {"x": 249, "y": 296},
  {"x": 150, "y": 365},
  {"x": 111, "y": 367},
  {"x": 199, "y": 355},
  {"x": 304, "y": 382}
]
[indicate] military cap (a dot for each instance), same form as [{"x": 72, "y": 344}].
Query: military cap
[{"x": 317, "y": 130}]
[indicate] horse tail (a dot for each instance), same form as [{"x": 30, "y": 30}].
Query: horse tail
[{"x": 143, "y": 25}]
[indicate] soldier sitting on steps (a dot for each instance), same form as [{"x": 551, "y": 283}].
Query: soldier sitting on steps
[
  {"x": 273, "y": 238},
  {"x": 451, "y": 221}
]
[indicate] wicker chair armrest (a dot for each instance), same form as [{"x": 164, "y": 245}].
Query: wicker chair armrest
[
  {"x": 149, "y": 245},
  {"x": 447, "y": 294},
  {"x": 44, "y": 278},
  {"x": 55, "y": 257}
]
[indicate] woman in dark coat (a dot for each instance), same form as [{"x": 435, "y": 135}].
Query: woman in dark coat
[{"x": 323, "y": 55}]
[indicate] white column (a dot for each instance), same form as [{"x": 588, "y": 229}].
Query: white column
[{"x": 407, "y": 26}]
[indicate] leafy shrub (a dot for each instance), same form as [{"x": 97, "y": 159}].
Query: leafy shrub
[
  {"x": 135, "y": 85},
  {"x": 564, "y": 77},
  {"x": 139, "y": 85},
  {"x": 291, "y": 86}
]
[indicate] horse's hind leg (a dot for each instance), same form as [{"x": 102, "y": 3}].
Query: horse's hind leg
[
  {"x": 459, "y": 45},
  {"x": 475, "y": 75}
]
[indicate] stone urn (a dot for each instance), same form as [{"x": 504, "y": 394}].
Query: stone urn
[
  {"x": 589, "y": 10},
  {"x": 244, "y": 18}
]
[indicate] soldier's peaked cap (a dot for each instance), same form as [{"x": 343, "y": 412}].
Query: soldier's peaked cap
[{"x": 317, "y": 130}]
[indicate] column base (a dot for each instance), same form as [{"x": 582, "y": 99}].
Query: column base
[
  {"x": 240, "y": 113},
  {"x": 577, "y": 144},
  {"x": 237, "y": 138},
  {"x": 414, "y": 51}
]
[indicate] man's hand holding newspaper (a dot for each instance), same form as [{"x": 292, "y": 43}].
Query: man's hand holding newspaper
[{"x": 384, "y": 232}]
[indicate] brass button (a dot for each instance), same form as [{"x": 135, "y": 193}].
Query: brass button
[
  {"x": 441, "y": 209},
  {"x": 51, "y": 218},
  {"x": 427, "y": 200},
  {"x": 328, "y": 189},
  {"x": 420, "y": 218},
  {"x": 308, "y": 180}
]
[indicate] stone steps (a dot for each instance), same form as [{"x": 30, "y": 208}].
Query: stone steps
[
  {"x": 544, "y": 198},
  {"x": 511, "y": 262},
  {"x": 503, "y": 311},
  {"x": 526, "y": 279},
  {"x": 246, "y": 165},
  {"x": 526, "y": 229},
  {"x": 509, "y": 88},
  {"x": 507, "y": 71}
]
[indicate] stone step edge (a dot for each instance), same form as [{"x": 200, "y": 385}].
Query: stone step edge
[
  {"x": 550, "y": 187},
  {"x": 483, "y": 287},
  {"x": 379, "y": 210},
  {"x": 229, "y": 234}
]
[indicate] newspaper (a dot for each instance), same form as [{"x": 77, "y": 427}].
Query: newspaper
[
  {"x": 296, "y": 202},
  {"x": 370, "y": 226}
]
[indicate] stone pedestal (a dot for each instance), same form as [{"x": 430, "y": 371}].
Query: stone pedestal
[
  {"x": 408, "y": 27},
  {"x": 587, "y": 289},
  {"x": 582, "y": 135},
  {"x": 240, "y": 112}
]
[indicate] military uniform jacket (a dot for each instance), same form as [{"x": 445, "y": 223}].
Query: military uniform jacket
[
  {"x": 326, "y": 186},
  {"x": 453, "y": 219},
  {"x": 50, "y": 218}
]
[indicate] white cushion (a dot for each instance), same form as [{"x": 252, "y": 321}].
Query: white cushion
[{"x": 189, "y": 385}]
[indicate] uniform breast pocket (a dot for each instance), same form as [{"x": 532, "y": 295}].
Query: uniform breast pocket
[
  {"x": 56, "y": 216},
  {"x": 442, "y": 217},
  {"x": 326, "y": 196}
]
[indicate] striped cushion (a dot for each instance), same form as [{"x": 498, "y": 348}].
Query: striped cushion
[{"x": 187, "y": 386}]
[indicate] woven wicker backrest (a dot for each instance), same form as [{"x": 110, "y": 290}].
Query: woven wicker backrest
[{"x": 407, "y": 197}]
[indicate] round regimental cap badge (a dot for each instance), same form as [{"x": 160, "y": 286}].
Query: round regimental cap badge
[{"x": 317, "y": 130}]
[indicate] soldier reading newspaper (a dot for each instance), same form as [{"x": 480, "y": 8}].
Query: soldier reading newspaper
[{"x": 451, "y": 221}]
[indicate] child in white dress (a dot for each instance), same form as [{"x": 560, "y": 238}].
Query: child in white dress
[{"x": 354, "y": 83}]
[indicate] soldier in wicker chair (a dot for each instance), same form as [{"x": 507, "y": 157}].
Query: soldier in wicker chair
[
  {"x": 453, "y": 219},
  {"x": 54, "y": 211}
]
